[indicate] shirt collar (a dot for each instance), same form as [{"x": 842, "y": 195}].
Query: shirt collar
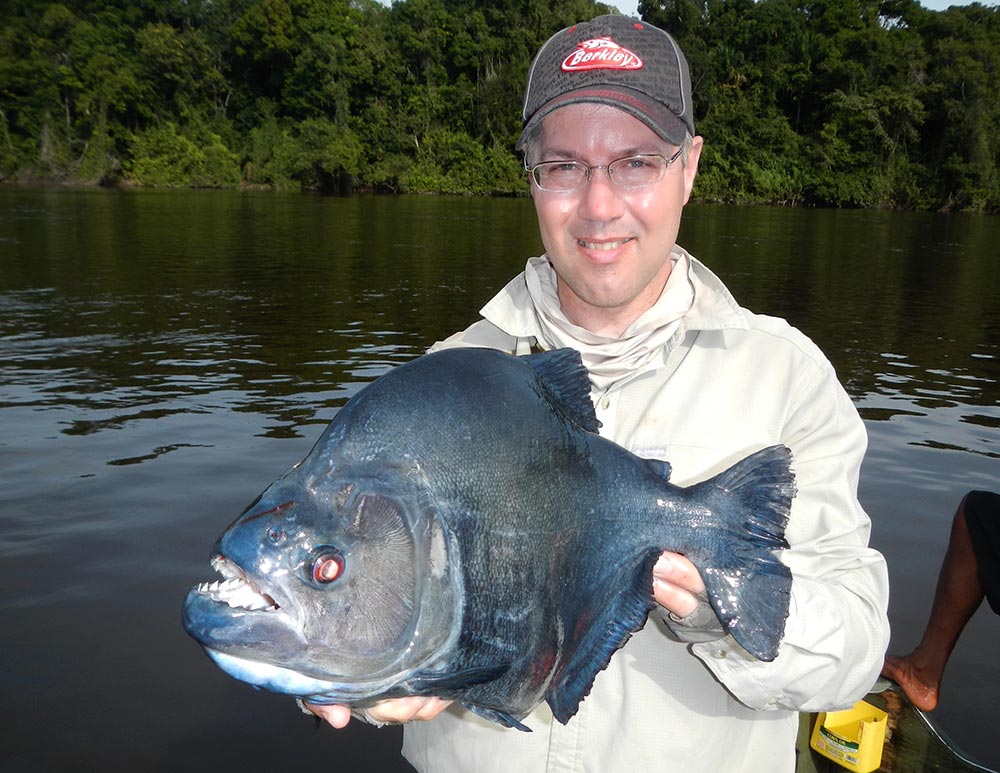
[{"x": 714, "y": 307}]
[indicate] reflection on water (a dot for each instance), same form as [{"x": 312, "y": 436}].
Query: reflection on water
[{"x": 165, "y": 355}]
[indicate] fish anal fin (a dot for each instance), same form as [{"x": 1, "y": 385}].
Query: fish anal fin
[
  {"x": 623, "y": 617},
  {"x": 566, "y": 384}
]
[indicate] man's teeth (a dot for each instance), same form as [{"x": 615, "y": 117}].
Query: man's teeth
[{"x": 603, "y": 245}]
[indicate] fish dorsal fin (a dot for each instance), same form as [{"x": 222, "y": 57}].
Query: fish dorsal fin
[
  {"x": 623, "y": 616},
  {"x": 566, "y": 383}
]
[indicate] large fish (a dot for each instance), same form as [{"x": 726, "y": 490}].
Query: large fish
[{"x": 460, "y": 530}]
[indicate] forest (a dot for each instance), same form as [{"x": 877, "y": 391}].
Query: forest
[{"x": 826, "y": 103}]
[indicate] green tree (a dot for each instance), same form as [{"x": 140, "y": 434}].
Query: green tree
[
  {"x": 167, "y": 155},
  {"x": 874, "y": 103}
]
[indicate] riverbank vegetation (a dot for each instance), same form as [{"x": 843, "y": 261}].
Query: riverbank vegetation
[{"x": 849, "y": 103}]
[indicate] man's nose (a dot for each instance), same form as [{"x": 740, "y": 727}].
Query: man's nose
[{"x": 600, "y": 197}]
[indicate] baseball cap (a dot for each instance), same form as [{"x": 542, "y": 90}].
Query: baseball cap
[{"x": 613, "y": 60}]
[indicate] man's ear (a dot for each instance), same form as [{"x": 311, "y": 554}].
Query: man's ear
[{"x": 691, "y": 166}]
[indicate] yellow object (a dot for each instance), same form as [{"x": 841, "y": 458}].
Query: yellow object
[{"x": 851, "y": 738}]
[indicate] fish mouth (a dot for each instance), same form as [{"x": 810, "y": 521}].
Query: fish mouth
[{"x": 236, "y": 589}]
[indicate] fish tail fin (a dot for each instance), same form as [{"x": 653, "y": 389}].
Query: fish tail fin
[{"x": 747, "y": 585}]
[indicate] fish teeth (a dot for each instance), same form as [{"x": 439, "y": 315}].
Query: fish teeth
[
  {"x": 224, "y": 567},
  {"x": 234, "y": 590},
  {"x": 222, "y": 587}
]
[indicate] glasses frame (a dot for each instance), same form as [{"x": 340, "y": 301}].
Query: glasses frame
[{"x": 609, "y": 168}]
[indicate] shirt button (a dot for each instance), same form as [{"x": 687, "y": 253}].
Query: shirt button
[
  {"x": 720, "y": 654},
  {"x": 605, "y": 403}
]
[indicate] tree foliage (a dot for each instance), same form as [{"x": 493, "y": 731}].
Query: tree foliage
[{"x": 855, "y": 103}]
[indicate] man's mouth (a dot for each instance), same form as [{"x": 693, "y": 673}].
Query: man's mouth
[{"x": 606, "y": 246}]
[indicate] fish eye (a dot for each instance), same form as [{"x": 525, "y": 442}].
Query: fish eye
[{"x": 327, "y": 565}]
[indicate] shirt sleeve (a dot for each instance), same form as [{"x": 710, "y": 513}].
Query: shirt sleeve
[
  {"x": 837, "y": 629},
  {"x": 699, "y": 626}
]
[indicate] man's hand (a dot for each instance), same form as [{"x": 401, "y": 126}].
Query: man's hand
[
  {"x": 677, "y": 585},
  {"x": 394, "y": 711}
]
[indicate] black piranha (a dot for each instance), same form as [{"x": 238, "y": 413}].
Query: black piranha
[{"x": 460, "y": 530}]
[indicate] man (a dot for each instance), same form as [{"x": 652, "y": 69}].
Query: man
[
  {"x": 969, "y": 573},
  {"x": 679, "y": 372}
]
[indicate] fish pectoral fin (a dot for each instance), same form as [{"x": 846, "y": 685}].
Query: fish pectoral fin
[
  {"x": 500, "y": 717},
  {"x": 449, "y": 683},
  {"x": 624, "y": 615}
]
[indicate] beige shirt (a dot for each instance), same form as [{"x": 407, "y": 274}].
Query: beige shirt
[{"x": 728, "y": 383}]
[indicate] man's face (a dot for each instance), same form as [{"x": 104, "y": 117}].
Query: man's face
[{"x": 610, "y": 246}]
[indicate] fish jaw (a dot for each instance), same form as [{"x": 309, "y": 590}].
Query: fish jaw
[
  {"x": 286, "y": 681},
  {"x": 218, "y": 614}
]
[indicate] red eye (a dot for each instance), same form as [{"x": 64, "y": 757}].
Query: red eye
[{"x": 327, "y": 567}]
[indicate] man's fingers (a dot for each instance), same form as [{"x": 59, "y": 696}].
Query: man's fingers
[
  {"x": 673, "y": 599},
  {"x": 407, "y": 709},
  {"x": 338, "y": 716},
  {"x": 395, "y": 711},
  {"x": 678, "y": 570},
  {"x": 676, "y": 584}
]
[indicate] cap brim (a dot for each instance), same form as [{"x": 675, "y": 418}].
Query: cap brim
[{"x": 665, "y": 123}]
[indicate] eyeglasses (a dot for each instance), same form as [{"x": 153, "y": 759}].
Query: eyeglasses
[{"x": 631, "y": 172}]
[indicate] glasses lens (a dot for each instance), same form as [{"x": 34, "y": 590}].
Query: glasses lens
[
  {"x": 635, "y": 171},
  {"x": 560, "y": 175}
]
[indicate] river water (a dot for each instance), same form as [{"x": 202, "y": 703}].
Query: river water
[{"x": 164, "y": 355}]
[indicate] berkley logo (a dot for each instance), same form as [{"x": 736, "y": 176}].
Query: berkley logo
[{"x": 601, "y": 54}]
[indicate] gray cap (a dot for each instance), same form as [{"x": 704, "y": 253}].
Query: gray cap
[{"x": 612, "y": 60}]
